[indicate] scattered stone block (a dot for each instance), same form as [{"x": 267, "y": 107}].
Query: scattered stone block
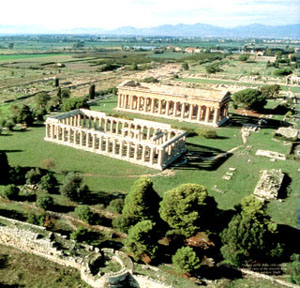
[
  {"x": 270, "y": 154},
  {"x": 226, "y": 177}
]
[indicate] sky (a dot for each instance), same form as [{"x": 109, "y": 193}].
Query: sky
[{"x": 110, "y": 14}]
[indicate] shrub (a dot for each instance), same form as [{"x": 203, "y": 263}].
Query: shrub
[
  {"x": 44, "y": 202},
  {"x": 74, "y": 103},
  {"x": 33, "y": 176},
  {"x": 186, "y": 260},
  {"x": 11, "y": 192},
  {"x": 243, "y": 57},
  {"x": 49, "y": 183},
  {"x": 209, "y": 134},
  {"x": 85, "y": 214},
  {"x": 116, "y": 205},
  {"x": 283, "y": 72}
]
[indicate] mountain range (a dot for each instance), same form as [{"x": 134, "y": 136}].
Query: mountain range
[{"x": 179, "y": 30}]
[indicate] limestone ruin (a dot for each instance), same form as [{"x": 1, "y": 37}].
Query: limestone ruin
[
  {"x": 269, "y": 184},
  {"x": 208, "y": 107},
  {"x": 142, "y": 142},
  {"x": 270, "y": 154},
  {"x": 289, "y": 133}
]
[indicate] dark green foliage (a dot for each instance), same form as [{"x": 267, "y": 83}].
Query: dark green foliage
[
  {"x": 184, "y": 207},
  {"x": 150, "y": 80},
  {"x": 22, "y": 114},
  {"x": 142, "y": 202},
  {"x": 271, "y": 91},
  {"x": 41, "y": 99},
  {"x": 49, "y": 183},
  {"x": 44, "y": 202},
  {"x": 16, "y": 175},
  {"x": 243, "y": 57},
  {"x": 133, "y": 67},
  {"x": 185, "y": 66},
  {"x": 9, "y": 124},
  {"x": 283, "y": 72},
  {"x": 116, "y": 205},
  {"x": 209, "y": 134},
  {"x": 4, "y": 168},
  {"x": 213, "y": 68},
  {"x": 293, "y": 269},
  {"x": 84, "y": 213},
  {"x": 65, "y": 93},
  {"x": 74, "y": 103},
  {"x": 108, "y": 67},
  {"x": 11, "y": 192},
  {"x": 141, "y": 241},
  {"x": 250, "y": 98},
  {"x": 56, "y": 84},
  {"x": 36, "y": 219},
  {"x": 250, "y": 234},
  {"x": 186, "y": 260},
  {"x": 39, "y": 113},
  {"x": 123, "y": 223},
  {"x": 73, "y": 188},
  {"x": 92, "y": 91},
  {"x": 79, "y": 235},
  {"x": 33, "y": 176}
]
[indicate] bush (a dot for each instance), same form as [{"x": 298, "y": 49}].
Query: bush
[
  {"x": 116, "y": 205},
  {"x": 74, "y": 103},
  {"x": 186, "y": 260},
  {"x": 150, "y": 80},
  {"x": 49, "y": 183},
  {"x": 11, "y": 192},
  {"x": 283, "y": 72},
  {"x": 36, "y": 219},
  {"x": 85, "y": 214},
  {"x": 243, "y": 57},
  {"x": 293, "y": 269},
  {"x": 185, "y": 66},
  {"x": 208, "y": 134},
  {"x": 33, "y": 176},
  {"x": 213, "y": 68},
  {"x": 44, "y": 202}
]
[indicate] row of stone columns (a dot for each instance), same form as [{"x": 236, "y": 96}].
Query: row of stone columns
[
  {"x": 172, "y": 109},
  {"x": 107, "y": 144}
]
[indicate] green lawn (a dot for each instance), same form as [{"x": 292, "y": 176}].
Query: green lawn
[{"x": 25, "y": 56}]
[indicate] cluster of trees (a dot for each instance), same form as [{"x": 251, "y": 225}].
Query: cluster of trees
[
  {"x": 213, "y": 68},
  {"x": 182, "y": 213}
]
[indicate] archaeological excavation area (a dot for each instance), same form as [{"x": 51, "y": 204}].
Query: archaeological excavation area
[{"x": 142, "y": 142}]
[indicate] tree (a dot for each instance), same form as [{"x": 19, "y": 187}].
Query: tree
[
  {"x": 250, "y": 98},
  {"x": 33, "y": 176},
  {"x": 185, "y": 66},
  {"x": 41, "y": 99},
  {"x": 65, "y": 93},
  {"x": 74, "y": 103},
  {"x": 11, "y": 192},
  {"x": 44, "y": 202},
  {"x": 184, "y": 207},
  {"x": 293, "y": 269},
  {"x": 84, "y": 213},
  {"x": 4, "y": 168},
  {"x": 282, "y": 72},
  {"x": 73, "y": 188},
  {"x": 39, "y": 113},
  {"x": 116, "y": 205},
  {"x": 92, "y": 91},
  {"x": 141, "y": 240},
  {"x": 142, "y": 202},
  {"x": 22, "y": 114},
  {"x": 10, "y": 45},
  {"x": 271, "y": 91},
  {"x": 186, "y": 260},
  {"x": 56, "y": 83},
  {"x": 49, "y": 183},
  {"x": 243, "y": 57},
  {"x": 250, "y": 234},
  {"x": 213, "y": 68}
]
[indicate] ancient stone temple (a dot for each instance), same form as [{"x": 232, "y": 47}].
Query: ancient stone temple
[
  {"x": 208, "y": 107},
  {"x": 138, "y": 141}
]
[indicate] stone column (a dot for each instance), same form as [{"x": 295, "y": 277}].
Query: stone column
[
  {"x": 207, "y": 114},
  {"x": 100, "y": 143},
  {"x": 84, "y": 121},
  {"x": 136, "y": 146},
  {"x": 94, "y": 141},
  {"x": 216, "y": 115},
  {"x": 138, "y": 103},
  {"x": 151, "y": 155},
  {"x": 121, "y": 148},
  {"x": 75, "y": 137},
  {"x": 191, "y": 111},
  {"x": 114, "y": 147},
  {"x": 111, "y": 126},
  {"x": 128, "y": 149},
  {"x": 160, "y": 157},
  {"x": 78, "y": 120},
  {"x": 182, "y": 110},
  {"x": 152, "y": 105},
  {"x": 87, "y": 140},
  {"x": 119, "y": 100},
  {"x": 175, "y": 109},
  {"x": 143, "y": 153},
  {"x": 81, "y": 138},
  {"x": 63, "y": 134},
  {"x": 95, "y": 123},
  {"x": 69, "y": 135},
  {"x": 167, "y": 112},
  {"x": 159, "y": 106},
  {"x": 145, "y": 104},
  {"x": 90, "y": 122},
  {"x": 107, "y": 144},
  {"x": 105, "y": 124},
  {"x": 199, "y": 113}
]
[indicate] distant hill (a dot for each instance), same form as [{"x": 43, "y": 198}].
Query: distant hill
[{"x": 186, "y": 30}]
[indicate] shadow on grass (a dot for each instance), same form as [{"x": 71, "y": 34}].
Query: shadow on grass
[
  {"x": 12, "y": 214},
  {"x": 62, "y": 208},
  {"x": 218, "y": 272},
  {"x": 29, "y": 198},
  {"x": 283, "y": 191},
  {"x": 201, "y": 158},
  {"x": 12, "y": 151},
  {"x": 3, "y": 285},
  {"x": 237, "y": 120},
  {"x": 102, "y": 197}
]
